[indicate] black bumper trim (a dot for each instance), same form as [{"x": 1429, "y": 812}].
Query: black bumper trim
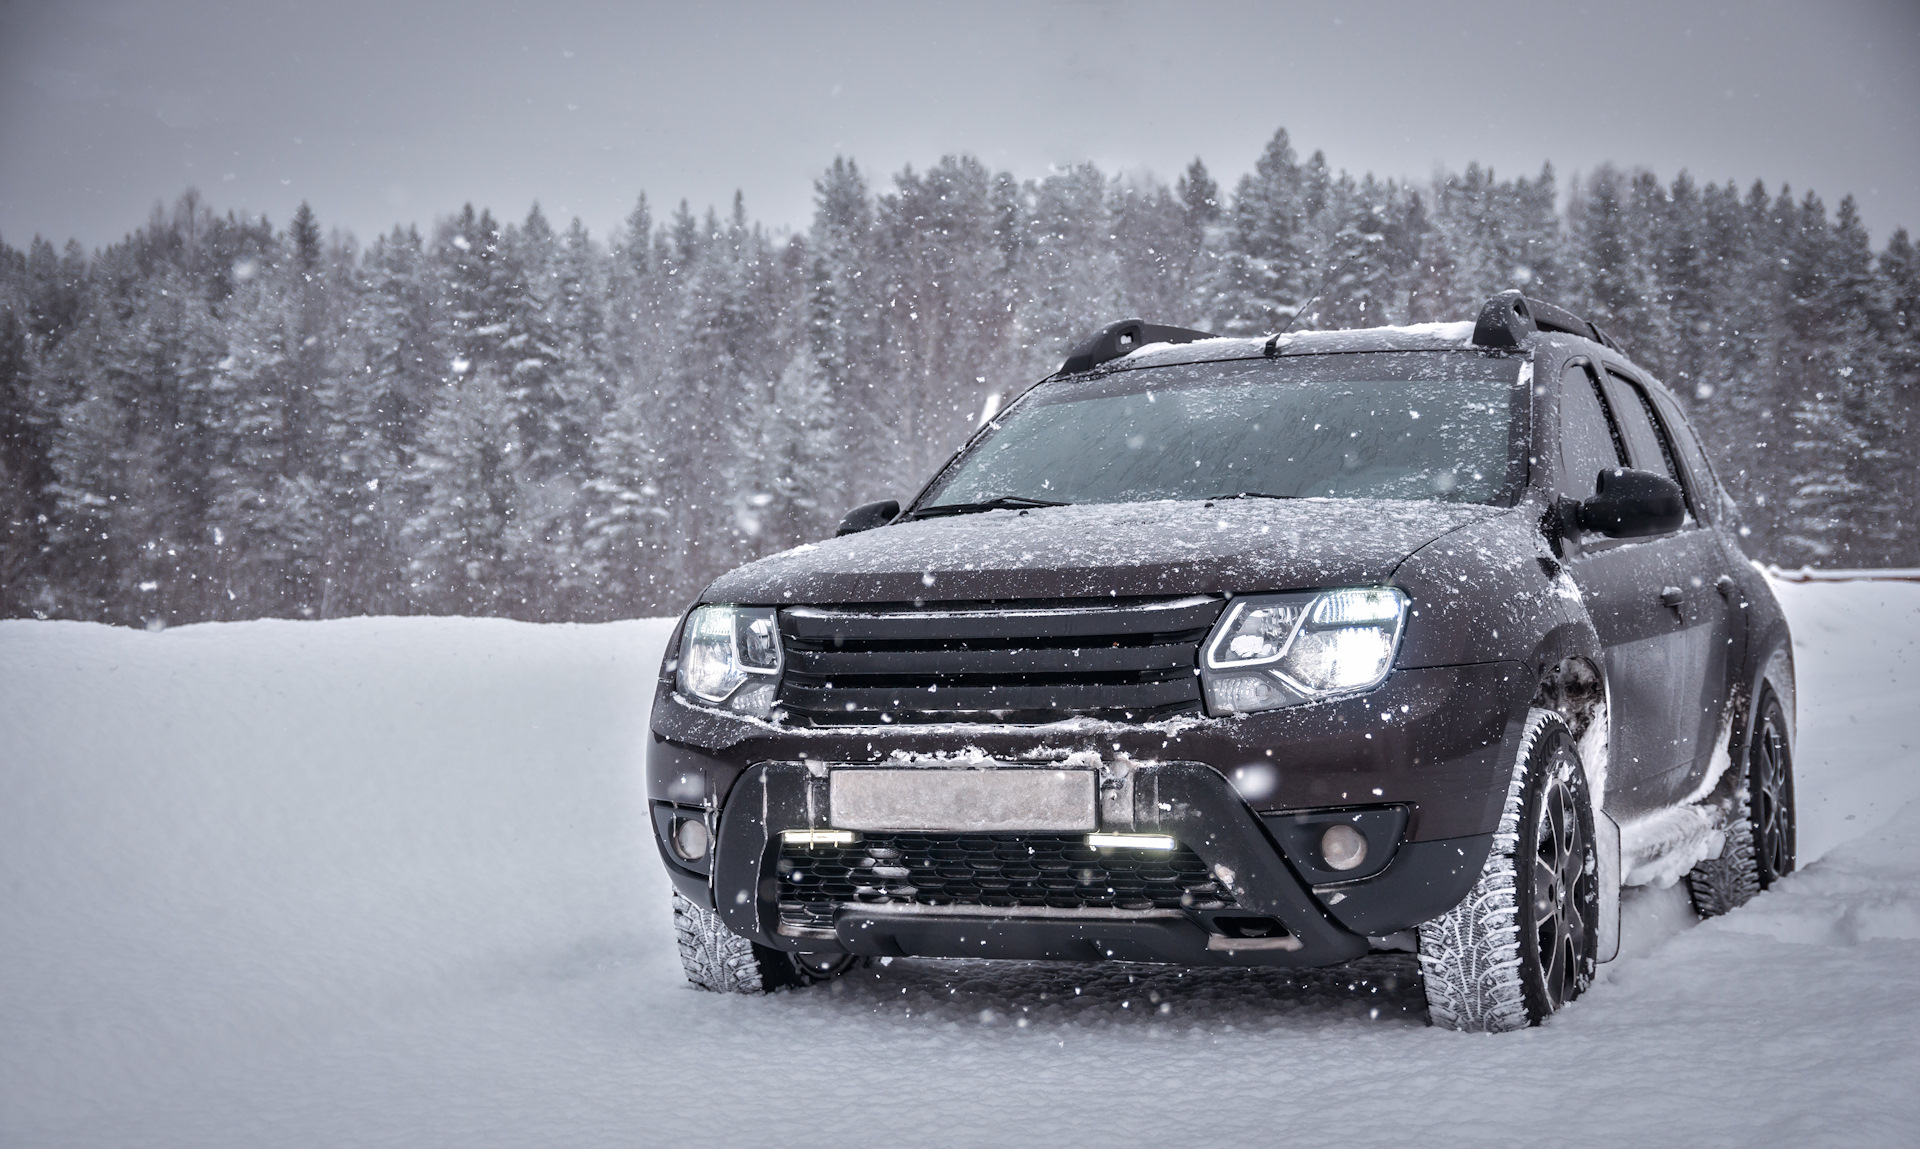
[
  {"x": 1424, "y": 880},
  {"x": 1191, "y": 802}
]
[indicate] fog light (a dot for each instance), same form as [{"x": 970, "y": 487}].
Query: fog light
[
  {"x": 1343, "y": 847},
  {"x": 690, "y": 839}
]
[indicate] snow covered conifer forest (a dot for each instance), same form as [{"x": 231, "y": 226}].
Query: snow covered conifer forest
[{"x": 220, "y": 418}]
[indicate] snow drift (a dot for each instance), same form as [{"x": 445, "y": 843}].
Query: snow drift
[{"x": 388, "y": 880}]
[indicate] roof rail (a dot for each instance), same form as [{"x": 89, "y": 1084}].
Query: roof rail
[
  {"x": 1510, "y": 317},
  {"x": 1124, "y": 338}
]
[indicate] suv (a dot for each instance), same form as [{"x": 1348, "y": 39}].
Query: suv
[{"x": 1250, "y": 652}]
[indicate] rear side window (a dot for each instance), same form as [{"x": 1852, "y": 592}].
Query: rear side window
[
  {"x": 1589, "y": 442},
  {"x": 1647, "y": 443},
  {"x": 1694, "y": 456},
  {"x": 1646, "y": 440}
]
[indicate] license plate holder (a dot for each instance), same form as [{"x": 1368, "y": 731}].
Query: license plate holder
[{"x": 985, "y": 801}]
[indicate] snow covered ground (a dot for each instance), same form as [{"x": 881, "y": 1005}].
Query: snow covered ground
[{"x": 386, "y": 881}]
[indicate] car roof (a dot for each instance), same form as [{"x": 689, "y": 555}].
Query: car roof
[{"x": 1454, "y": 336}]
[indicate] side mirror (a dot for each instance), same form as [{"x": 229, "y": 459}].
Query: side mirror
[
  {"x": 1629, "y": 504},
  {"x": 868, "y": 516}
]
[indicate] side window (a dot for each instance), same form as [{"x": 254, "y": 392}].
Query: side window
[
  {"x": 1647, "y": 443},
  {"x": 1589, "y": 443},
  {"x": 1694, "y": 456}
]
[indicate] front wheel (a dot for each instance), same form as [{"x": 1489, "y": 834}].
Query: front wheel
[
  {"x": 717, "y": 959},
  {"x": 1523, "y": 943}
]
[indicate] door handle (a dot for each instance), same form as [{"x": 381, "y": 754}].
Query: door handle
[
  {"x": 1724, "y": 584},
  {"x": 1672, "y": 596}
]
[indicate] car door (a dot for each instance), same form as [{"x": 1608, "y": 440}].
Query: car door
[
  {"x": 1709, "y": 502},
  {"x": 1622, "y": 581},
  {"x": 1698, "y": 565}
]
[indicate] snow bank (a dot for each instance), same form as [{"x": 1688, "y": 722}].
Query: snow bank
[{"x": 387, "y": 880}]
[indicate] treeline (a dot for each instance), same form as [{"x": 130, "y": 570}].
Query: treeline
[{"x": 217, "y": 419}]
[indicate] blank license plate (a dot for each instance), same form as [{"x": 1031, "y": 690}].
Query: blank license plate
[{"x": 979, "y": 801}]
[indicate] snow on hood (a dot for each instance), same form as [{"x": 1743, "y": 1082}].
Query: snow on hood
[{"x": 1096, "y": 550}]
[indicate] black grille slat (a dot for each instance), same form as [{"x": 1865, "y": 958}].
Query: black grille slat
[
  {"x": 1017, "y": 662},
  {"x": 1004, "y": 871},
  {"x": 947, "y": 621},
  {"x": 1059, "y": 660},
  {"x": 1057, "y": 696}
]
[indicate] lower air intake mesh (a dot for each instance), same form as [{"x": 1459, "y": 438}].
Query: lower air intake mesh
[{"x": 1051, "y": 871}]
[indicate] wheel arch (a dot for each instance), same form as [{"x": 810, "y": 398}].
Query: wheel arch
[
  {"x": 1774, "y": 671},
  {"x": 1571, "y": 681}
]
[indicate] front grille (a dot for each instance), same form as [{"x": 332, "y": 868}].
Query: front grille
[
  {"x": 1023, "y": 662},
  {"x": 1010, "y": 871}
]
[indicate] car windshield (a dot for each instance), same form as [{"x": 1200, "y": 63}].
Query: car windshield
[{"x": 1435, "y": 425}]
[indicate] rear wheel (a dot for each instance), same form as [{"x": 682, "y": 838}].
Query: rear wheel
[
  {"x": 1760, "y": 834},
  {"x": 1771, "y": 779},
  {"x": 722, "y": 961},
  {"x": 1523, "y": 943}
]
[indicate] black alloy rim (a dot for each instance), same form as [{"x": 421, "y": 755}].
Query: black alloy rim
[
  {"x": 1559, "y": 869},
  {"x": 1773, "y": 799}
]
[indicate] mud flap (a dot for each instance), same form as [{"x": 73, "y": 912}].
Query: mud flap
[{"x": 1606, "y": 833}]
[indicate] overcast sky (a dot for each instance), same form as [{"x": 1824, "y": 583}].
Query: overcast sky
[{"x": 390, "y": 112}]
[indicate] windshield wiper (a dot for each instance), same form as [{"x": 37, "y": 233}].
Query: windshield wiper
[
  {"x": 997, "y": 503},
  {"x": 1250, "y": 495}
]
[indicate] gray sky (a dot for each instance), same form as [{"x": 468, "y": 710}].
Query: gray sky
[{"x": 393, "y": 112}]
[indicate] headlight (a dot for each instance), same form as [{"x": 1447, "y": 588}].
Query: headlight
[
  {"x": 1276, "y": 650},
  {"x": 730, "y": 655}
]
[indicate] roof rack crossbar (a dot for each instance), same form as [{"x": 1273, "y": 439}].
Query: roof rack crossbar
[{"x": 1123, "y": 338}]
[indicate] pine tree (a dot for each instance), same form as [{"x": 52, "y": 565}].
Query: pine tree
[
  {"x": 1368, "y": 257},
  {"x": 1156, "y": 250},
  {"x": 626, "y": 536},
  {"x": 376, "y": 403},
  {"x": 252, "y": 466},
  {"x": 26, "y": 471},
  {"x": 464, "y": 539},
  {"x": 1073, "y": 264},
  {"x": 1616, "y": 255},
  {"x": 1199, "y": 197},
  {"x": 841, "y": 328},
  {"x": 1898, "y": 419},
  {"x": 949, "y": 298},
  {"x": 132, "y": 488},
  {"x": 1825, "y": 317},
  {"x": 786, "y": 447},
  {"x": 634, "y": 252},
  {"x": 1261, "y": 279}
]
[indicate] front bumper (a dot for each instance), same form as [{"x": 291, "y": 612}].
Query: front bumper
[
  {"x": 1436, "y": 743},
  {"x": 1188, "y": 801}
]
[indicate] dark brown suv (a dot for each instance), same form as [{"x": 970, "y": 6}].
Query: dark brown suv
[{"x": 1247, "y": 652}]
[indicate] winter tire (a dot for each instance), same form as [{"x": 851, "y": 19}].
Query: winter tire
[
  {"x": 1522, "y": 944},
  {"x": 722, "y": 961},
  {"x": 1760, "y": 843}
]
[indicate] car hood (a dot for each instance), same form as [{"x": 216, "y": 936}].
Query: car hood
[{"x": 1097, "y": 550}]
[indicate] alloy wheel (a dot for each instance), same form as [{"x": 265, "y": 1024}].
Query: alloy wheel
[
  {"x": 1772, "y": 782},
  {"x": 1559, "y": 896}
]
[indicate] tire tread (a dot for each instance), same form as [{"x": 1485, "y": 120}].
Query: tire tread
[
  {"x": 714, "y": 957},
  {"x": 1470, "y": 955}
]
